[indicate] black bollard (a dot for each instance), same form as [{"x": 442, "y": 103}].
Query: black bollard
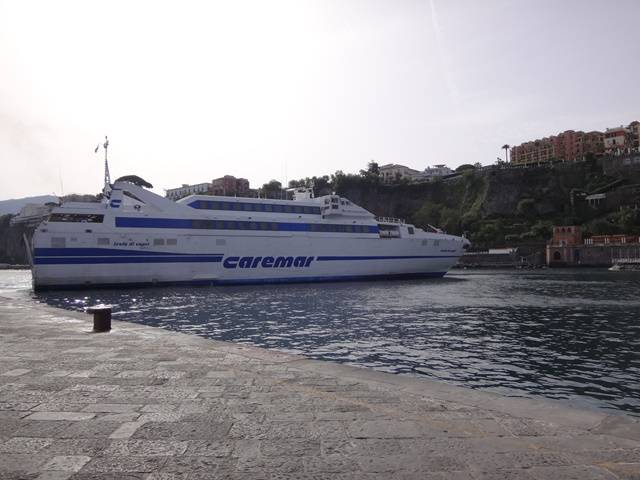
[{"x": 101, "y": 318}]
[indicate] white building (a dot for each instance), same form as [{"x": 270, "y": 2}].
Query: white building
[
  {"x": 393, "y": 172},
  {"x": 184, "y": 190},
  {"x": 436, "y": 171},
  {"x": 616, "y": 140}
]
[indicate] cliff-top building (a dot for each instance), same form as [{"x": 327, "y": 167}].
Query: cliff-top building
[
  {"x": 573, "y": 145},
  {"x": 180, "y": 192},
  {"x": 393, "y": 172},
  {"x": 226, "y": 186},
  {"x": 565, "y": 147}
]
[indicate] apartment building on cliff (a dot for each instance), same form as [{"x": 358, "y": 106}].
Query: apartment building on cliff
[
  {"x": 567, "y": 146},
  {"x": 574, "y": 145}
]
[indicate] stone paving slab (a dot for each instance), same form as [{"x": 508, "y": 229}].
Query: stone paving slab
[{"x": 146, "y": 403}]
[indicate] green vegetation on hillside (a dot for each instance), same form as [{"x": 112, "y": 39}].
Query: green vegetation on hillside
[{"x": 499, "y": 206}]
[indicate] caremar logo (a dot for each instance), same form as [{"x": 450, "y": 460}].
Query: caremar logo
[{"x": 267, "y": 262}]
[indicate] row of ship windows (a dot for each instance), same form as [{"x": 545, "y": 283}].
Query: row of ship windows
[
  {"x": 61, "y": 242},
  {"x": 273, "y": 226},
  {"x": 76, "y": 217},
  {"x": 254, "y": 207}
]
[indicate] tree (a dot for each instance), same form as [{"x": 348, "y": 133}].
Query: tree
[
  {"x": 372, "y": 171},
  {"x": 428, "y": 214},
  {"x": 526, "y": 208},
  {"x": 465, "y": 166},
  {"x": 273, "y": 189},
  {"x": 506, "y": 148}
]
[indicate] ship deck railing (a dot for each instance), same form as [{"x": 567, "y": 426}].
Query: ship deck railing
[
  {"x": 399, "y": 221},
  {"x": 627, "y": 260}
]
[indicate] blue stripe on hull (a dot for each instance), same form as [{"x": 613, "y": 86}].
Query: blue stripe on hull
[
  {"x": 381, "y": 257},
  {"x": 258, "y": 281},
  {"x": 104, "y": 252},
  {"x": 80, "y": 256},
  {"x": 112, "y": 260}
]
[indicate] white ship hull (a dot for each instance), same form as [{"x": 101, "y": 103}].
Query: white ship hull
[{"x": 149, "y": 245}]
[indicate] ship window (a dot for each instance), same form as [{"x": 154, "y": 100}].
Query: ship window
[
  {"x": 231, "y": 225},
  {"x": 172, "y": 241},
  {"x": 247, "y": 207},
  {"x": 237, "y": 207},
  {"x": 58, "y": 242},
  {"x": 298, "y": 209},
  {"x": 307, "y": 210},
  {"x": 425, "y": 243},
  {"x": 436, "y": 243},
  {"x": 264, "y": 226},
  {"x": 278, "y": 208},
  {"x": 350, "y": 228},
  {"x": 157, "y": 242},
  {"x": 267, "y": 208},
  {"x": 288, "y": 209},
  {"x": 76, "y": 217},
  {"x": 202, "y": 224},
  {"x": 335, "y": 207},
  {"x": 411, "y": 231},
  {"x": 253, "y": 226},
  {"x": 103, "y": 241},
  {"x": 215, "y": 205},
  {"x": 274, "y": 226}
]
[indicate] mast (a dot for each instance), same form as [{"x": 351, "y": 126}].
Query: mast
[
  {"x": 106, "y": 190},
  {"x": 107, "y": 177}
]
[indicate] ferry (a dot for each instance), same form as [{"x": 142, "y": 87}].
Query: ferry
[{"x": 135, "y": 237}]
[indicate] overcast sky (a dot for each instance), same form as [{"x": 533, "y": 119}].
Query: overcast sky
[{"x": 189, "y": 91}]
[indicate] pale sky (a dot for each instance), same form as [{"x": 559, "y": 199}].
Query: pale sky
[{"x": 189, "y": 91}]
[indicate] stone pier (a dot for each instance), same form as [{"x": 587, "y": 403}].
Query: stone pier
[{"x": 146, "y": 403}]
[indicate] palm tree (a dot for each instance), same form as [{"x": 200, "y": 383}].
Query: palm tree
[{"x": 506, "y": 148}]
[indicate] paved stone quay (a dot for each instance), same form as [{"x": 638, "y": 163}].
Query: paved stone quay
[{"x": 146, "y": 403}]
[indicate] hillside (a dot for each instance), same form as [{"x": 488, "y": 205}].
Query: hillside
[{"x": 498, "y": 206}]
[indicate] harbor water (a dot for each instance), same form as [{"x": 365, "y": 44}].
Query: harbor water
[{"x": 561, "y": 334}]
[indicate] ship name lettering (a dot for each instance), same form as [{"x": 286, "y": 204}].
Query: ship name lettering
[{"x": 267, "y": 262}]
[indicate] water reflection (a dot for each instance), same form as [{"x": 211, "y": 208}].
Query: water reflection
[{"x": 560, "y": 334}]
